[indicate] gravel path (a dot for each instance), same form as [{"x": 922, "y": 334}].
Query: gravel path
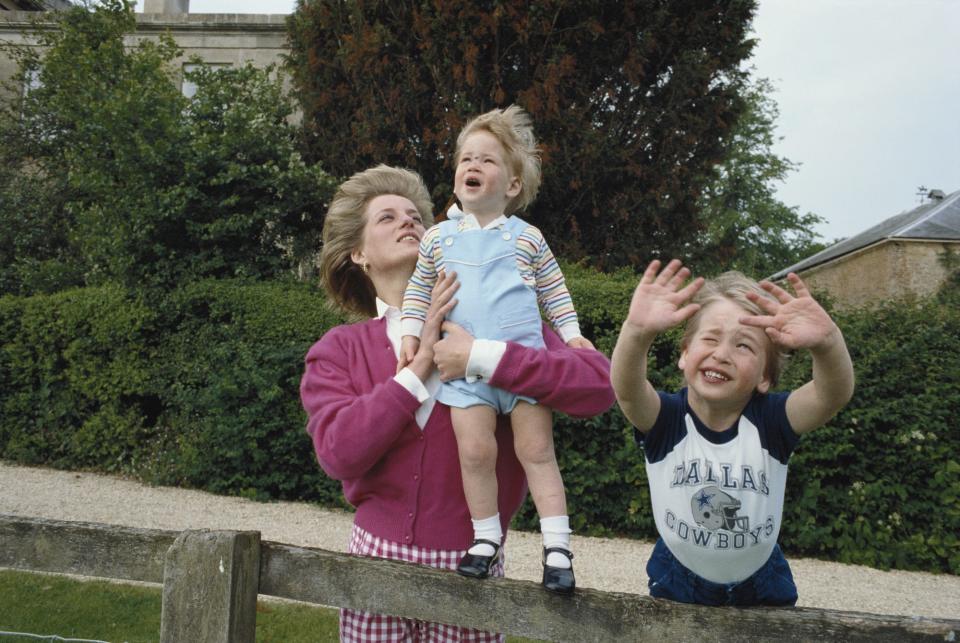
[{"x": 602, "y": 563}]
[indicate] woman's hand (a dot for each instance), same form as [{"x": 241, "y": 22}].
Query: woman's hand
[
  {"x": 452, "y": 352},
  {"x": 441, "y": 303}
]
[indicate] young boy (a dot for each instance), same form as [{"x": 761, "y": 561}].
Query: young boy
[
  {"x": 717, "y": 451},
  {"x": 505, "y": 269}
]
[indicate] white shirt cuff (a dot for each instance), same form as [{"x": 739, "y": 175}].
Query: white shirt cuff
[
  {"x": 485, "y": 355},
  {"x": 569, "y": 331},
  {"x": 408, "y": 380},
  {"x": 410, "y": 326}
]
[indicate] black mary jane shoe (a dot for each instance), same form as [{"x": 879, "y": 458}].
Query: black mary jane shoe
[
  {"x": 558, "y": 579},
  {"x": 475, "y": 565}
]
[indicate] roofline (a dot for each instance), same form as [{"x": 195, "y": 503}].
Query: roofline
[
  {"x": 778, "y": 276},
  {"x": 947, "y": 200},
  {"x": 810, "y": 262}
]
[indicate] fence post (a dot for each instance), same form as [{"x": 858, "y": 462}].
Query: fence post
[{"x": 210, "y": 584}]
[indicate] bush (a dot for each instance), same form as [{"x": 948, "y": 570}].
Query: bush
[
  {"x": 74, "y": 371},
  {"x": 880, "y": 484},
  {"x": 231, "y": 367},
  {"x": 200, "y": 389}
]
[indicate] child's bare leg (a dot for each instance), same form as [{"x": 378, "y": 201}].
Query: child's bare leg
[
  {"x": 533, "y": 443},
  {"x": 475, "y": 428}
]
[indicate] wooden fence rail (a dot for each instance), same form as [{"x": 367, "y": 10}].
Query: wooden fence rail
[{"x": 211, "y": 580}]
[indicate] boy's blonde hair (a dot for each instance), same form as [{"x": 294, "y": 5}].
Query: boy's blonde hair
[
  {"x": 346, "y": 283},
  {"x": 513, "y": 127},
  {"x": 734, "y": 286}
]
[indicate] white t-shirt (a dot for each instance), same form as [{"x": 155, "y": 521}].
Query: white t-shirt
[{"x": 717, "y": 497}]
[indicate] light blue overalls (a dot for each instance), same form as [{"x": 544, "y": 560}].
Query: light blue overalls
[{"x": 493, "y": 302}]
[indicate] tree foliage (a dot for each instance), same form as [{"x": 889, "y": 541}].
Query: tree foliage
[
  {"x": 132, "y": 181},
  {"x": 633, "y": 102},
  {"x": 747, "y": 227}
]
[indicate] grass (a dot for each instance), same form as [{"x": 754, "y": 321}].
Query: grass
[{"x": 69, "y": 608}]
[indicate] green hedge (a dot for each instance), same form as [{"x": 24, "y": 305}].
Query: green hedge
[
  {"x": 199, "y": 388},
  {"x": 232, "y": 421},
  {"x": 72, "y": 371}
]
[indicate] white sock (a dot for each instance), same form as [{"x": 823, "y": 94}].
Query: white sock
[
  {"x": 556, "y": 533},
  {"x": 487, "y": 529}
]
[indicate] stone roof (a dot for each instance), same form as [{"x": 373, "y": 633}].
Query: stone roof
[{"x": 938, "y": 220}]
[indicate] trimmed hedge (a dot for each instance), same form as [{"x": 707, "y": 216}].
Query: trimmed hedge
[
  {"x": 72, "y": 371},
  {"x": 198, "y": 388},
  {"x": 232, "y": 421}
]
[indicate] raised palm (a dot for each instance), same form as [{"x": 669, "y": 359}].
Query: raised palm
[
  {"x": 792, "y": 322},
  {"x": 659, "y": 302}
]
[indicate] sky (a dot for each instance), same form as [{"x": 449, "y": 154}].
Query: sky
[{"x": 869, "y": 100}]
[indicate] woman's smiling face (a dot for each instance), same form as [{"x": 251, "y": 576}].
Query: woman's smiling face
[{"x": 391, "y": 234}]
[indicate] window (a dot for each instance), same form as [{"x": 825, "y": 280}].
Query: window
[{"x": 189, "y": 88}]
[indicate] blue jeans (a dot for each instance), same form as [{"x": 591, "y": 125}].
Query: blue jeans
[{"x": 772, "y": 584}]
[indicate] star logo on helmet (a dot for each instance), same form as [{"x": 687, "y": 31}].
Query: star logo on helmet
[{"x": 703, "y": 498}]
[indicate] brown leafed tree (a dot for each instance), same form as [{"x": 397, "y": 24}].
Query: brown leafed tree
[{"x": 632, "y": 101}]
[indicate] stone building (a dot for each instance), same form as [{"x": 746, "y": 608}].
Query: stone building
[
  {"x": 216, "y": 39},
  {"x": 907, "y": 256}
]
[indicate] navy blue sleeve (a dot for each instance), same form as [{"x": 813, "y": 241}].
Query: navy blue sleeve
[
  {"x": 667, "y": 430},
  {"x": 769, "y": 414}
]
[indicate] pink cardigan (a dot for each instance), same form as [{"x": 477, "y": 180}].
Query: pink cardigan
[{"x": 405, "y": 483}]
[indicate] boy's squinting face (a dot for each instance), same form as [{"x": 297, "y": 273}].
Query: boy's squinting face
[
  {"x": 483, "y": 182},
  {"x": 725, "y": 361}
]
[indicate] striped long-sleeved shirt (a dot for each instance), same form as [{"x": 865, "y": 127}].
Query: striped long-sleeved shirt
[{"x": 536, "y": 263}]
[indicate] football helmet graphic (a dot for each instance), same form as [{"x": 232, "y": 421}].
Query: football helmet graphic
[{"x": 714, "y": 509}]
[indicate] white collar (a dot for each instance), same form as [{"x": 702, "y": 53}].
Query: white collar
[
  {"x": 470, "y": 222},
  {"x": 454, "y": 213},
  {"x": 385, "y": 309}
]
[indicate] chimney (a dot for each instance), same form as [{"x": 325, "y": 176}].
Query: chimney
[
  {"x": 936, "y": 196},
  {"x": 168, "y": 7}
]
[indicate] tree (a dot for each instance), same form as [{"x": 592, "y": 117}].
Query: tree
[
  {"x": 747, "y": 227},
  {"x": 90, "y": 122},
  {"x": 140, "y": 184},
  {"x": 633, "y": 102}
]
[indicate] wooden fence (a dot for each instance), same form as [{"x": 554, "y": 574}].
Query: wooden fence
[{"x": 211, "y": 580}]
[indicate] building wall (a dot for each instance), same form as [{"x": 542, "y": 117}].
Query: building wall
[
  {"x": 890, "y": 270},
  {"x": 232, "y": 39}
]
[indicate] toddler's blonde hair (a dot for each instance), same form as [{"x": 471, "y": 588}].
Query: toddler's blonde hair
[{"x": 513, "y": 127}]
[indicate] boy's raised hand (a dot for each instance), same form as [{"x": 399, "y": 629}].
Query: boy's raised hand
[
  {"x": 659, "y": 302},
  {"x": 793, "y": 322}
]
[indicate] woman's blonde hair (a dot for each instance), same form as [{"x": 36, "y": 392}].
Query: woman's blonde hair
[
  {"x": 346, "y": 283},
  {"x": 513, "y": 127},
  {"x": 734, "y": 287}
]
